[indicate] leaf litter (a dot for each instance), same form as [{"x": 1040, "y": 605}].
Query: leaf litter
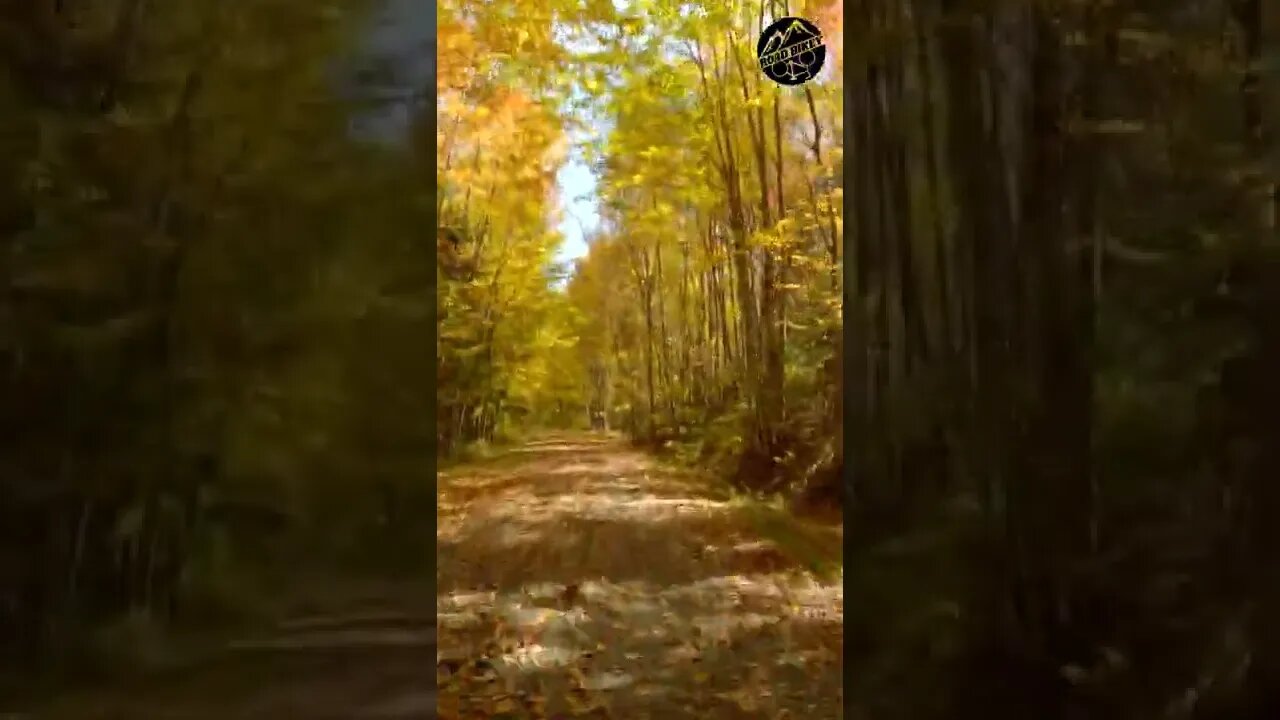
[{"x": 628, "y": 605}]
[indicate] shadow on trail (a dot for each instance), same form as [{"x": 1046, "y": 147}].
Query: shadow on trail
[
  {"x": 605, "y": 461},
  {"x": 565, "y": 549},
  {"x": 578, "y": 573}
]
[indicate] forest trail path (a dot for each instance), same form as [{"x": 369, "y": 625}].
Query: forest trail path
[{"x": 577, "y": 577}]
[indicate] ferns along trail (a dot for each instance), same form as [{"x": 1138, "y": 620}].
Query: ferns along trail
[{"x": 267, "y": 452}]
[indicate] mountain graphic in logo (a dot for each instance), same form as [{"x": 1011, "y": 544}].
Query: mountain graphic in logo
[
  {"x": 790, "y": 51},
  {"x": 782, "y": 38}
]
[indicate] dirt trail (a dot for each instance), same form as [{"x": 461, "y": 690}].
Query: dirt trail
[
  {"x": 579, "y": 578},
  {"x": 576, "y": 578}
]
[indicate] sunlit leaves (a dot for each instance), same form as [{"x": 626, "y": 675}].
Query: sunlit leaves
[
  {"x": 502, "y": 141},
  {"x": 675, "y": 83},
  {"x": 681, "y": 178}
]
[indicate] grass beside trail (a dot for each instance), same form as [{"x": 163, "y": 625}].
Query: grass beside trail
[
  {"x": 819, "y": 548},
  {"x": 817, "y": 545}
]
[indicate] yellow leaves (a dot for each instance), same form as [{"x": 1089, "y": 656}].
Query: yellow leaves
[
  {"x": 632, "y": 25},
  {"x": 664, "y": 188},
  {"x": 500, "y": 154},
  {"x": 770, "y": 240},
  {"x": 455, "y": 53}
]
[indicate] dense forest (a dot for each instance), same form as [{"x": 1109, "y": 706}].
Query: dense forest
[
  {"x": 1061, "y": 410},
  {"x": 216, "y": 310},
  {"x": 708, "y": 309},
  {"x": 1036, "y": 370}
]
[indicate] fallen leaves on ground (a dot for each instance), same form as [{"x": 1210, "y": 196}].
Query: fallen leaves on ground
[{"x": 620, "y": 591}]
